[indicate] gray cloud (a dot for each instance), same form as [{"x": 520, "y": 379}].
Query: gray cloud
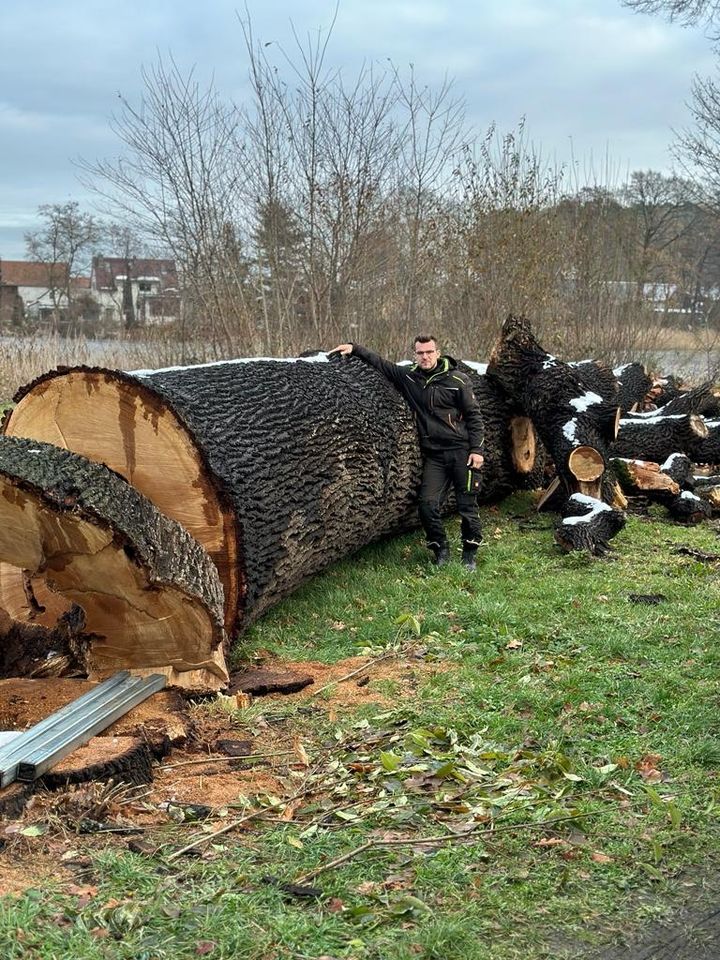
[{"x": 592, "y": 79}]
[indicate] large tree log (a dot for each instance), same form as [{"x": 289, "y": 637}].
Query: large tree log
[
  {"x": 655, "y": 437},
  {"x": 277, "y": 467},
  {"x": 150, "y": 595}
]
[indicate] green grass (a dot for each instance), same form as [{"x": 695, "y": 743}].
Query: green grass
[{"x": 556, "y": 694}]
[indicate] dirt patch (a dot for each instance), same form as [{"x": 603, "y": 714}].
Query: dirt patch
[
  {"x": 362, "y": 687},
  {"x": 191, "y": 772},
  {"x": 16, "y": 878}
]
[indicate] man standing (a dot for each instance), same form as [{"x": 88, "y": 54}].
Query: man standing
[{"x": 450, "y": 427}]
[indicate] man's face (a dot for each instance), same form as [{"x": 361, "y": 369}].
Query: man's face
[{"x": 426, "y": 354}]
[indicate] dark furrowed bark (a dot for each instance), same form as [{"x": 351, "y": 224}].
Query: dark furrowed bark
[
  {"x": 316, "y": 458},
  {"x": 634, "y": 385},
  {"x": 655, "y": 437},
  {"x": 588, "y": 524},
  {"x": 688, "y": 508},
  {"x": 598, "y": 377},
  {"x": 150, "y": 595},
  {"x": 568, "y": 417},
  {"x": 700, "y": 400}
]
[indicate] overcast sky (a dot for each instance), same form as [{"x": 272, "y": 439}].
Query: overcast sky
[{"x": 594, "y": 81}]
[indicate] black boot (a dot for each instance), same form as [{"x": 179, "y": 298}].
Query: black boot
[
  {"x": 442, "y": 553},
  {"x": 468, "y": 559}
]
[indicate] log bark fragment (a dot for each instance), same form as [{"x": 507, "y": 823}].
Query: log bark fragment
[
  {"x": 643, "y": 476},
  {"x": 151, "y": 598}
]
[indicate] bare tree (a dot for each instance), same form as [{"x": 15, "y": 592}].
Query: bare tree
[
  {"x": 65, "y": 244},
  {"x": 686, "y": 12}
]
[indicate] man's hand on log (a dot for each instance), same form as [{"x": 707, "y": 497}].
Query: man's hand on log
[
  {"x": 475, "y": 461},
  {"x": 344, "y": 349}
]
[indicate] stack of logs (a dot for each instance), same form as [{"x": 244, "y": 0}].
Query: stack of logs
[{"x": 146, "y": 517}]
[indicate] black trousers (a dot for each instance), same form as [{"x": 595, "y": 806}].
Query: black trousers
[{"x": 441, "y": 472}]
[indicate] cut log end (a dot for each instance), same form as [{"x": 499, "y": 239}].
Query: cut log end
[
  {"x": 586, "y": 464},
  {"x": 152, "y": 601},
  {"x": 129, "y": 429}
]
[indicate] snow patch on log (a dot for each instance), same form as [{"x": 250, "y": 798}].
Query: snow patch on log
[
  {"x": 569, "y": 432},
  {"x": 317, "y": 358},
  {"x": 582, "y": 403},
  {"x": 670, "y": 460},
  {"x": 596, "y": 507},
  {"x": 650, "y": 416},
  {"x": 480, "y": 368},
  {"x": 550, "y": 362},
  {"x": 618, "y": 371},
  {"x": 688, "y": 495}
]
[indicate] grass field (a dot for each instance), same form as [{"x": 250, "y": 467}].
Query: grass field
[{"x": 558, "y": 740}]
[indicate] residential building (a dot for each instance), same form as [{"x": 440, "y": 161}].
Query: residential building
[{"x": 135, "y": 291}]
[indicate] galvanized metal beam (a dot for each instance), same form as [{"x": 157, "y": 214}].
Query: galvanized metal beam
[
  {"x": 73, "y": 725},
  {"x": 11, "y": 753}
]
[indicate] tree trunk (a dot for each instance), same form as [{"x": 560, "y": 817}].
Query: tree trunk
[
  {"x": 573, "y": 422},
  {"x": 276, "y": 467},
  {"x": 150, "y": 596},
  {"x": 655, "y": 437}
]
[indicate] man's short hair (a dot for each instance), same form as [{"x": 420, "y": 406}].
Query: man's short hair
[{"x": 425, "y": 338}]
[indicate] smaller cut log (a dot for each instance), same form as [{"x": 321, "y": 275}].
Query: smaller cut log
[
  {"x": 701, "y": 400},
  {"x": 655, "y": 437},
  {"x": 679, "y": 468},
  {"x": 151, "y": 597},
  {"x": 634, "y": 384},
  {"x": 689, "y": 508},
  {"x": 643, "y": 476},
  {"x": 588, "y": 524}
]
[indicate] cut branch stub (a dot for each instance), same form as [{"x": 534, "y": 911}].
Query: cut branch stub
[
  {"x": 151, "y": 596},
  {"x": 588, "y": 524},
  {"x": 586, "y": 463},
  {"x": 523, "y": 440}
]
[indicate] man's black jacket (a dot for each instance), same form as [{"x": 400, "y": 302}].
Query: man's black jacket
[{"x": 447, "y": 413}]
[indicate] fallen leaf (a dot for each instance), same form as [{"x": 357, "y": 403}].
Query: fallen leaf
[
  {"x": 513, "y": 645},
  {"x": 367, "y": 886},
  {"x": 335, "y": 905},
  {"x": 647, "y": 767},
  {"x": 551, "y": 842},
  {"x": 204, "y": 947},
  {"x": 600, "y": 857}
]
